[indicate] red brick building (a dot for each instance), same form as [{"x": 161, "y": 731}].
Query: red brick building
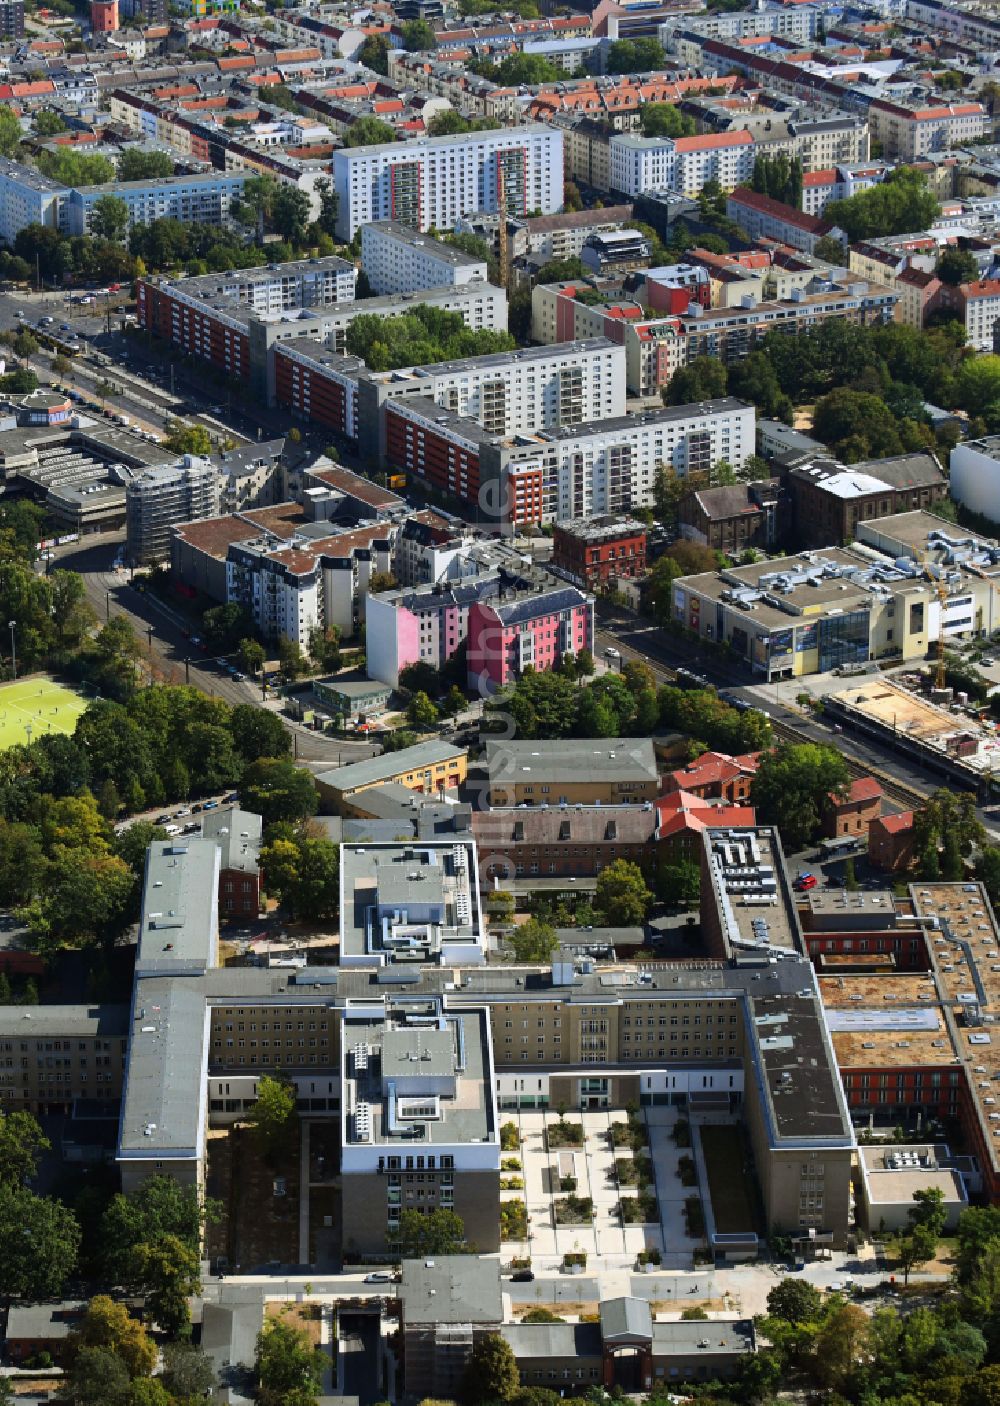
[
  {"x": 681, "y": 819},
  {"x": 238, "y": 834},
  {"x": 715, "y": 776},
  {"x": 852, "y": 813},
  {"x": 600, "y": 550},
  {"x": 891, "y": 842},
  {"x": 556, "y": 840}
]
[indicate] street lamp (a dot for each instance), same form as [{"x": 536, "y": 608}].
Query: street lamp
[{"x": 13, "y": 652}]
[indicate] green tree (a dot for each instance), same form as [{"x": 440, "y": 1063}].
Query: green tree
[
  {"x": 76, "y": 168},
  {"x": 169, "y": 1272},
  {"x": 900, "y": 203},
  {"x": 635, "y": 56},
  {"x": 421, "y": 712},
  {"x": 957, "y": 266},
  {"x": 187, "y": 1372},
  {"x": 252, "y": 655},
  {"x": 679, "y": 884},
  {"x": 301, "y": 871},
  {"x": 831, "y": 250},
  {"x": 97, "y": 1378},
  {"x": 438, "y": 1232},
  {"x": 857, "y": 425},
  {"x": 520, "y": 68},
  {"x": 25, "y": 345},
  {"x": 491, "y": 1374},
  {"x": 622, "y": 896},
  {"x": 276, "y": 789},
  {"x": 10, "y": 132},
  {"x": 418, "y": 35},
  {"x": 22, "y": 1142},
  {"x": 928, "y": 1210},
  {"x": 137, "y": 165},
  {"x": 109, "y": 1325},
  {"x": 257, "y": 202},
  {"x": 187, "y": 439},
  {"x": 159, "y": 1207},
  {"x": 258, "y": 733},
  {"x": 273, "y": 1116},
  {"x": 703, "y": 379},
  {"x": 913, "y": 1248},
  {"x": 795, "y": 1301},
  {"x": 290, "y": 213},
  {"x": 369, "y": 131},
  {"x": 374, "y": 53},
  {"x": 533, "y": 941},
  {"x": 663, "y": 120},
  {"x": 109, "y": 218},
  {"x": 289, "y": 1369},
  {"x": 39, "y": 1241},
  {"x": 291, "y": 658},
  {"x": 791, "y": 787},
  {"x": 329, "y": 205}
]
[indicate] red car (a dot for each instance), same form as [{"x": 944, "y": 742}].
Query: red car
[{"x": 806, "y": 881}]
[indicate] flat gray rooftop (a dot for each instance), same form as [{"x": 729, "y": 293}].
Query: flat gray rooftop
[
  {"x": 451, "y": 1289},
  {"x": 610, "y": 759},
  {"x": 178, "y": 927},
  {"x": 389, "y": 765}
]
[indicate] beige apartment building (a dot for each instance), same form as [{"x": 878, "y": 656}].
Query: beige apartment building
[{"x": 611, "y": 771}]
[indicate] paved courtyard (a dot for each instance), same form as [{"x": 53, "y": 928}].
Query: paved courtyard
[{"x": 608, "y": 1244}]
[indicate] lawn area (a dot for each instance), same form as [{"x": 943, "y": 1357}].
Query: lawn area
[
  {"x": 729, "y": 1178},
  {"x": 39, "y": 704}
]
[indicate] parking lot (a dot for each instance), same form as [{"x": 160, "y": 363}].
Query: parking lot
[{"x": 602, "y": 1237}]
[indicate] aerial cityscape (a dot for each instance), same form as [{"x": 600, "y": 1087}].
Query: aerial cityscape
[{"x": 499, "y": 703}]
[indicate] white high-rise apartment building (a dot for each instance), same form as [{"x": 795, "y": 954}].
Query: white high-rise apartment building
[
  {"x": 398, "y": 259},
  {"x": 681, "y": 164},
  {"x": 437, "y": 180}
]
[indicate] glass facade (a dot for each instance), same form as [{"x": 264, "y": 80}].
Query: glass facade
[{"x": 843, "y": 639}]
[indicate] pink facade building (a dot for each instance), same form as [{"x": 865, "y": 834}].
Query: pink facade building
[{"x": 532, "y": 628}]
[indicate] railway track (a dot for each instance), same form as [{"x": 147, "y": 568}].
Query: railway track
[{"x": 899, "y": 791}]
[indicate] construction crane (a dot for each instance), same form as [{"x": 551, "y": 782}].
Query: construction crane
[{"x": 940, "y": 589}]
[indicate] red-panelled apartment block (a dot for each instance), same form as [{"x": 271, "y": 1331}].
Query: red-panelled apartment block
[
  {"x": 315, "y": 392},
  {"x": 433, "y": 452},
  {"x": 212, "y": 335}
]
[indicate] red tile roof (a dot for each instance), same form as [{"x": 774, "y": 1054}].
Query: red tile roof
[{"x": 897, "y": 824}]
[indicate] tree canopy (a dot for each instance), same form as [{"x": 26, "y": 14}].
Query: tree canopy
[
  {"x": 900, "y": 203},
  {"x": 419, "y": 337},
  {"x": 791, "y": 787}
]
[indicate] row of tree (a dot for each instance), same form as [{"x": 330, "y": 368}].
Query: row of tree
[{"x": 868, "y": 384}]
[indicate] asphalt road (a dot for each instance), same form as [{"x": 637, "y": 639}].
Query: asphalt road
[{"x": 164, "y": 632}]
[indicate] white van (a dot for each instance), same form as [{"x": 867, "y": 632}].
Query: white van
[{"x": 172, "y": 829}]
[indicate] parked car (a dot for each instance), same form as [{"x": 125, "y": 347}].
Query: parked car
[
  {"x": 805, "y": 882},
  {"x": 380, "y": 1276},
  {"x": 522, "y": 1276}
]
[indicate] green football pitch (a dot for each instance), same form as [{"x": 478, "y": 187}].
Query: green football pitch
[{"x": 33, "y": 708}]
